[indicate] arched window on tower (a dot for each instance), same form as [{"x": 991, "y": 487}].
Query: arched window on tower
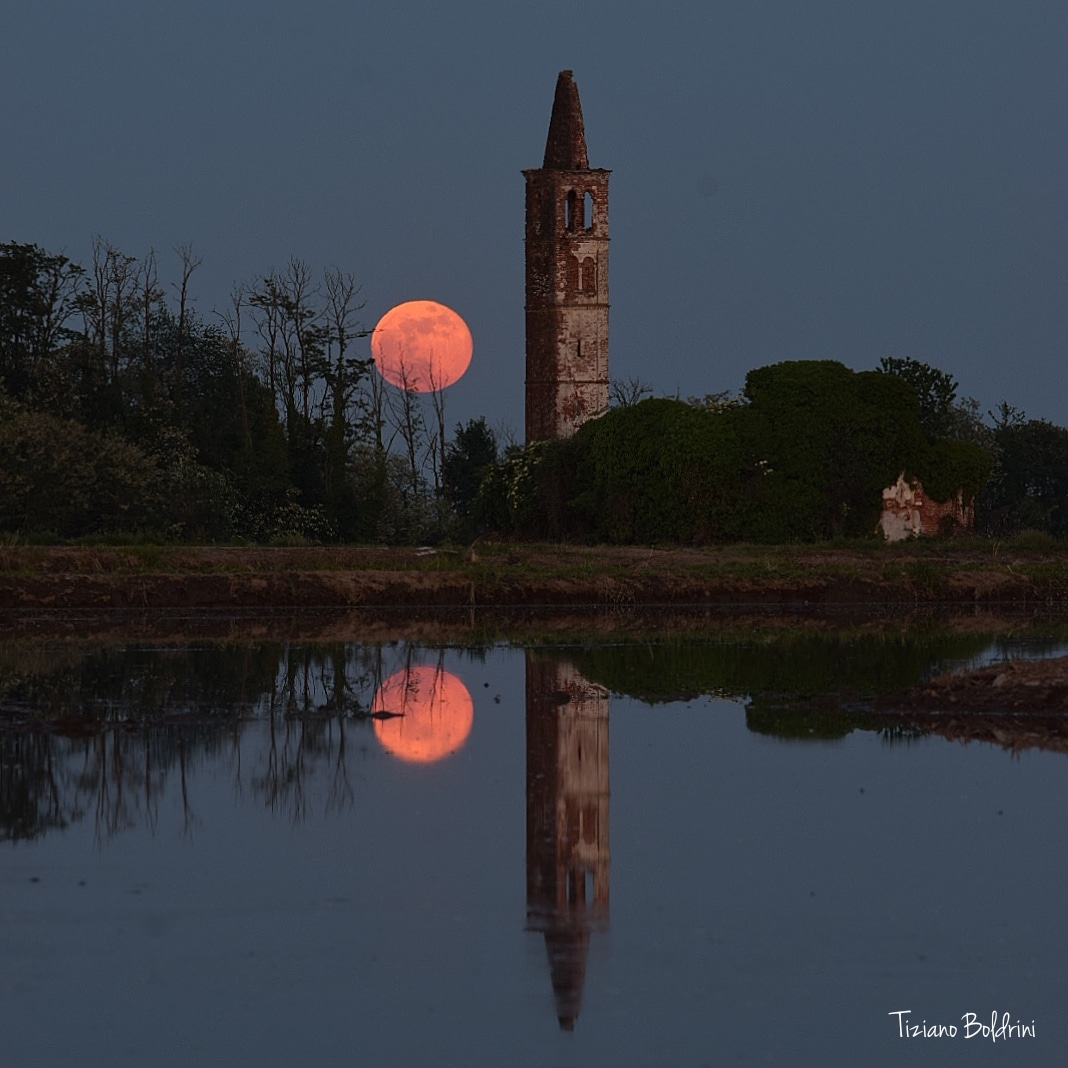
[
  {"x": 571, "y": 207},
  {"x": 587, "y": 211}
]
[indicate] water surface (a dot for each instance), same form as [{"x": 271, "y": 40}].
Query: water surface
[{"x": 622, "y": 855}]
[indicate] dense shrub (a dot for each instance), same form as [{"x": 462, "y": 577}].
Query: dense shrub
[
  {"x": 830, "y": 440},
  {"x": 57, "y": 477},
  {"x": 528, "y": 491},
  {"x": 805, "y": 457},
  {"x": 660, "y": 470}
]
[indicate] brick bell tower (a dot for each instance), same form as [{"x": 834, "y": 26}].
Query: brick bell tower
[{"x": 567, "y": 278}]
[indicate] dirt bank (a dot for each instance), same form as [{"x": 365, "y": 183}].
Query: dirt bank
[{"x": 64, "y": 578}]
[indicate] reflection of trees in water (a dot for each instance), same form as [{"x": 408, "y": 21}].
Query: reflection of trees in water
[
  {"x": 108, "y": 733},
  {"x": 122, "y": 683},
  {"x": 126, "y": 769},
  {"x": 34, "y": 796},
  {"x": 314, "y": 691},
  {"x": 802, "y": 664},
  {"x": 50, "y": 778}
]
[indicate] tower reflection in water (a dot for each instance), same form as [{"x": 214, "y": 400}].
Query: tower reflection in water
[{"x": 567, "y": 820}]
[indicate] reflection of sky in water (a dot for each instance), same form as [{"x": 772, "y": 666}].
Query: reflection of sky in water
[
  {"x": 1009, "y": 649},
  {"x": 299, "y": 896}
]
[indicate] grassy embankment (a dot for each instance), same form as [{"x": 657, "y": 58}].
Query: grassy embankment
[{"x": 1030, "y": 571}]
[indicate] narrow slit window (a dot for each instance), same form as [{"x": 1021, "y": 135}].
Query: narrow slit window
[
  {"x": 587, "y": 211},
  {"x": 571, "y": 208}
]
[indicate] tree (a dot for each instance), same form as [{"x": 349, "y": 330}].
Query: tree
[
  {"x": 626, "y": 391},
  {"x": 936, "y": 391},
  {"x": 306, "y": 331},
  {"x": 805, "y": 456},
  {"x": 346, "y": 410},
  {"x": 1029, "y": 488},
  {"x": 38, "y": 295},
  {"x": 472, "y": 450},
  {"x": 269, "y": 445},
  {"x": 404, "y": 413},
  {"x": 831, "y": 440},
  {"x": 343, "y": 373},
  {"x": 189, "y": 264},
  {"x": 659, "y": 470}
]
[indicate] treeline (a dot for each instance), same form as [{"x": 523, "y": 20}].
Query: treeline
[
  {"x": 123, "y": 412},
  {"x": 802, "y": 455}
]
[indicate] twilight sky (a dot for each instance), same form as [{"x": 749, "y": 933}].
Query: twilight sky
[{"x": 840, "y": 180}]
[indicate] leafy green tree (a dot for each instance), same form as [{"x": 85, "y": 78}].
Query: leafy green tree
[
  {"x": 472, "y": 450},
  {"x": 936, "y": 391},
  {"x": 658, "y": 470},
  {"x": 391, "y": 510},
  {"x": 509, "y": 496},
  {"x": 953, "y": 466},
  {"x": 1029, "y": 488}
]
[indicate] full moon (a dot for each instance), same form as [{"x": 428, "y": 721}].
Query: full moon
[
  {"x": 421, "y": 345},
  {"x": 432, "y": 714}
]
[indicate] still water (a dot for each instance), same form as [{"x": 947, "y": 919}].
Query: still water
[{"x": 621, "y": 855}]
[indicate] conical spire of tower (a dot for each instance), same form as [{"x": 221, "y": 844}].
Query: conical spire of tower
[{"x": 565, "y": 148}]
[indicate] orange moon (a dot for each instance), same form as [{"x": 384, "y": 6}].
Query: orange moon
[
  {"x": 421, "y": 345},
  {"x": 433, "y": 714}
]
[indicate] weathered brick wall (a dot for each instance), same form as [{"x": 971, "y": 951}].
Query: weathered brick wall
[{"x": 908, "y": 511}]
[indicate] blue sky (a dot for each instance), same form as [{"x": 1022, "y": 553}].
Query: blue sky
[{"x": 790, "y": 180}]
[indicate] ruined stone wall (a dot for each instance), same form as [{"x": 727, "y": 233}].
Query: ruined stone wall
[{"x": 908, "y": 511}]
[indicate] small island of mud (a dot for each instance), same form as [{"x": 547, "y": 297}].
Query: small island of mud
[
  {"x": 1015, "y": 704},
  {"x": 1031, "y": 686}
]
